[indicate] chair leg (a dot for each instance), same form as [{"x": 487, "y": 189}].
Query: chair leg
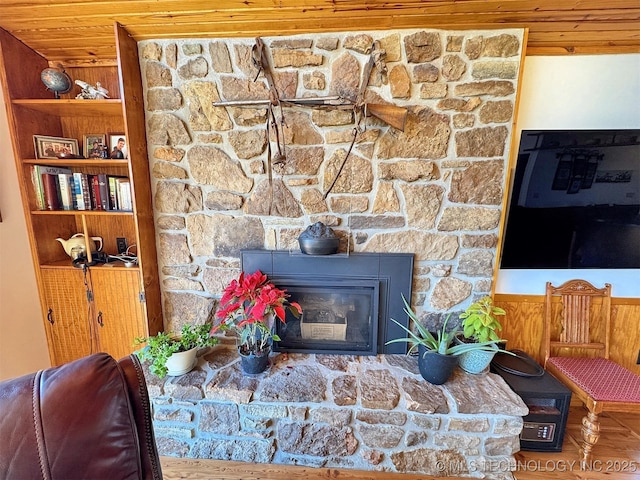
[{"x": 590, "y": 436}]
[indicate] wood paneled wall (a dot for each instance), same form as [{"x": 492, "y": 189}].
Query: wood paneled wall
[{"x": 523, "y": 325}]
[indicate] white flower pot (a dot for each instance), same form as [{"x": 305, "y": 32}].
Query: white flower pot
[{"x": 181, "y": 362}]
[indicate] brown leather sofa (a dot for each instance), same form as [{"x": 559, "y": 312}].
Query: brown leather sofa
[{"x": 88, "y": 419}]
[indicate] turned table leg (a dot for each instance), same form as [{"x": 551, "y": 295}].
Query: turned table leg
[{"x": 590, "y": 436}]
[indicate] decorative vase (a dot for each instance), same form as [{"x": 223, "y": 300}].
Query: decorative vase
[
  {"x": 434, "y": 367},
  {"x": 318, "y": 239},
  {"x": 181, "y": 362},
  {"x": 254, "y": 363}
]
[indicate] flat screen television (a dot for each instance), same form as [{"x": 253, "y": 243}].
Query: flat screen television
[{"x": 574, "y": 201}]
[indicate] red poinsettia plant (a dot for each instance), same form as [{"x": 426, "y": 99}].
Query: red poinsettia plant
[{"x": 249, "y": 307}]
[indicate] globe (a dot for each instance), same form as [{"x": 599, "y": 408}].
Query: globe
[{"x": 57, "y": 81}]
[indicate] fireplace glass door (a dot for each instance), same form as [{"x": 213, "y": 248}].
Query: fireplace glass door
[{"x": 340, "y": 318}]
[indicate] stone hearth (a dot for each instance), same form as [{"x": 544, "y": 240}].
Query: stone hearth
[{"x": 368, "y": 413}]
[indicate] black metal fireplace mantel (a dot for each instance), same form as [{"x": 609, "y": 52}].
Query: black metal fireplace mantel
[{"x": 368, "y": 288}]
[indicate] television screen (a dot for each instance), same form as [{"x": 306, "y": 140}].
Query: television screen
[{"x": 574, "y": 201}]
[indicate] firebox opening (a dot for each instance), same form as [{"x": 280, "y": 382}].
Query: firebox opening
[{"x": 336, "y": 319}]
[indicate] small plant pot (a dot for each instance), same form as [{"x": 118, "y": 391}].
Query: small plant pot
[
  {"x": 252, "y": 363},
  {"x": 477, "y": 361},
  {"x": 181, "y": 362},
  {"x": 434, "y": 367}
]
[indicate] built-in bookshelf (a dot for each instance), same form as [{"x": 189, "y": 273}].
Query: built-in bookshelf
[{"x": 95, "y": 305}]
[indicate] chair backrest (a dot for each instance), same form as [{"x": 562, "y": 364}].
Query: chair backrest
[
  {"x": 579, "y": 317},
  {"x": 89, "y": 418}
]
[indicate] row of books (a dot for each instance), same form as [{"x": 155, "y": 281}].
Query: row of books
[{"x": 58, "y": 188}]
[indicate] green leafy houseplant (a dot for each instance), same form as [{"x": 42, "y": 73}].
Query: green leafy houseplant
[
  {"x": 160, "y": 347},
  {"x": 441, "y": 342},
  {"x": 480, "y": 325},
  {"x": 438, "y": 353},
  {"x": 479, "y": 321}
]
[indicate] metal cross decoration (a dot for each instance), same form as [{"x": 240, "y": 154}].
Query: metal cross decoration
[{"x": 393, "y": 115}]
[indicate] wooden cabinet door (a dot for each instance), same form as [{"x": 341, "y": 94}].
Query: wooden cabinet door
[
  {"x": 120, "y": 314},
  {"x": 68, "y": 316}
]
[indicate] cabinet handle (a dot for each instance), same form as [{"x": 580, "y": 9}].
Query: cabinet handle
[
  {"x": 99, "y": 320},
  {"x": 50, "y": 316}
]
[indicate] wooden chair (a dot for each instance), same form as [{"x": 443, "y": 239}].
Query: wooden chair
[{"x": 573, "y": 355}]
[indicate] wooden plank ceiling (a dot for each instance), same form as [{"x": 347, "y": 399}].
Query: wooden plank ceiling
[{"x": 81, "y": 31}]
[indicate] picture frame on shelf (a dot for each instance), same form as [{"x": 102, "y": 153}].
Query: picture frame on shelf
[
  {"x": 93, "y": 145},
  {"x": 55, "y": 147},
  {"x": 118, "y": 148}
]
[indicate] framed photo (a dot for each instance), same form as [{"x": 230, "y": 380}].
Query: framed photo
[
  {"x": 93, "y": 145},
  {"x": 55, "y": 147},
  {"x": 118, "y": 147}
]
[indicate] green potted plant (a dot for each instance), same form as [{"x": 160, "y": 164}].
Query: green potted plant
[
  {"x": 480, "y": 325},
  {"x": 175, "y": 354},
  {"x": 437, "y": 352},
  {"x": 250, "y": 306}
]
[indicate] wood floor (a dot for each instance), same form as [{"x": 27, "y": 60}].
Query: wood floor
[{"x": 617, "y": 457}]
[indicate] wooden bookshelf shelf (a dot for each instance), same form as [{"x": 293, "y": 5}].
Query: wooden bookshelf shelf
[
  {"x": 75, "y": 162},
  {"x": 72, "y": 107},
  {"x": 82, "y": 212},
  {"x": 67, "y": 264}
]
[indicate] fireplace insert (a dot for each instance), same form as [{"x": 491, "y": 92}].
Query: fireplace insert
[
  {"x": 335, "y": 319},
  {"x": 347, "y": 300}
]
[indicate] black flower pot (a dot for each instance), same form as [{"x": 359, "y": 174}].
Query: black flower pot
[
  {"x": 254, "y": 363},
  {"x": 434, "y": 367}
]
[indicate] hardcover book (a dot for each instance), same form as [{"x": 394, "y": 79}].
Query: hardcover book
[
  {"x": 96, "y": 200},
  {"x": 86, "y": 191},
  {"x": 124, "y": 194},
  {"x": 113, "y": 196},
  {"x": 103, "y": 187},
  {"x": 51, "y": 191},
  {"x": 65, "y": 182},
  {"x": 80, "y": 203}
]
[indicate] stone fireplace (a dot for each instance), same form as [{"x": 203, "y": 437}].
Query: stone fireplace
[{"x": 434, "y": 190}]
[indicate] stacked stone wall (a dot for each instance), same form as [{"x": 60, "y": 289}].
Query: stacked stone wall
[
  {"x": 366, "y": 413},
  {"x": 435, "y": 190}
]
